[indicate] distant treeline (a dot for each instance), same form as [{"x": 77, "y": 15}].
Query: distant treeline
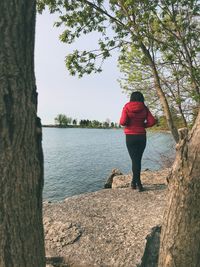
[{"x": 63, "y": 121}]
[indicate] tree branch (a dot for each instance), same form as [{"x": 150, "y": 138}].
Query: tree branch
[{"x": 94, "y": 6}]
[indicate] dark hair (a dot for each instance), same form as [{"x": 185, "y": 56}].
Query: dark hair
[{"x": 137, "y": 96}]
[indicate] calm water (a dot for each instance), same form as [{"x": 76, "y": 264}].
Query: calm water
[{"x": 80, "y": 160}]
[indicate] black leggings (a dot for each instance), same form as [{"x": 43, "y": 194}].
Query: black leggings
[{"x": 136, "y": 145}]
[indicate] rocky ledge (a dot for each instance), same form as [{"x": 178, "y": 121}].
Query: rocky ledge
[{"x": 107, "y": 228}]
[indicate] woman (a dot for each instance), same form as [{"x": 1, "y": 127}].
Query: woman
[{"x": 136, "y": 117}]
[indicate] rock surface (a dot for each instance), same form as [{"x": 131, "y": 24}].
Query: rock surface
[
  {"x": 150, "y": 178},
  {"x": 107, "y": 228}
]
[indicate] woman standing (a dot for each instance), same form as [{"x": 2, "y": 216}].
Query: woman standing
[{"x": 136, "y": 117}]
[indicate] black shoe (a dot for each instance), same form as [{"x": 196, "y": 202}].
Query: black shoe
[
  {"x": 141, "y": 188},
  {"x": 133, "y": 186}
]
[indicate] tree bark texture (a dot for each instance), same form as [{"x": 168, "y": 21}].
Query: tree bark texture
[
  {"x": 180, "y": 235},
  {"x": 21, "y": 158}
]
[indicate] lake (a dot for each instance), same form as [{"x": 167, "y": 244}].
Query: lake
[{"x": 79, "y": 160}]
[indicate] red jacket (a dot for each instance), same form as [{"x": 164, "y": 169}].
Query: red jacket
[{"x": 136, "y": 117}]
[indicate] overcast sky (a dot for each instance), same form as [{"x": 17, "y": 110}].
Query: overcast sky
[{"x": 97, "y": 96}]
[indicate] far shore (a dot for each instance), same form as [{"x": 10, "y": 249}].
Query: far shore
[
  {"x": 154, "y": 129},
  {"x": 78, "y": 126}
]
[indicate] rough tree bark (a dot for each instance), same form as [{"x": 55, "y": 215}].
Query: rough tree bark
[
  {"x": 180, "y": 235},
  {"x": 21, "y": 158}
]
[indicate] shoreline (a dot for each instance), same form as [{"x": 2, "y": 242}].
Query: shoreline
[
  {"x": 104, "y": 128},
  {"x": 78, "y": 127},
  {"x": 119, "y": 180}
]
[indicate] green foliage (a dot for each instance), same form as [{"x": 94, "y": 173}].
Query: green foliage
[
  {"x": 74, "y": 122},
  {"x": 180, "y": 19},
  {"x": 137, "y": 76},
  {"x": 174, "y": 81},
  {"x": 163, "y": 126},
  {"x": 162, "y": 35},
  {"x": 83, "y": 17},
  {"x": 168, "y": 27},
  {"x": 173, "y": 42},
  {"x": 165, "y": 26},
  {"x": 95, "y": 124},
  {"x": 62, "y": 120}
]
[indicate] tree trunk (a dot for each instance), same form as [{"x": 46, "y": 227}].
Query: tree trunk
[
  {"x": 161, "y": 94},
  {"x": 180, "y": 236},
  {"x": 21, "y": 158}
]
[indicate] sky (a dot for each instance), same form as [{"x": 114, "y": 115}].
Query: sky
[{"x": 93, "y": 97}]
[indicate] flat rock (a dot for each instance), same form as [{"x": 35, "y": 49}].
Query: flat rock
[
  {"x": 107, "y": 228},
  {"x": 154, "y": 178}
]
